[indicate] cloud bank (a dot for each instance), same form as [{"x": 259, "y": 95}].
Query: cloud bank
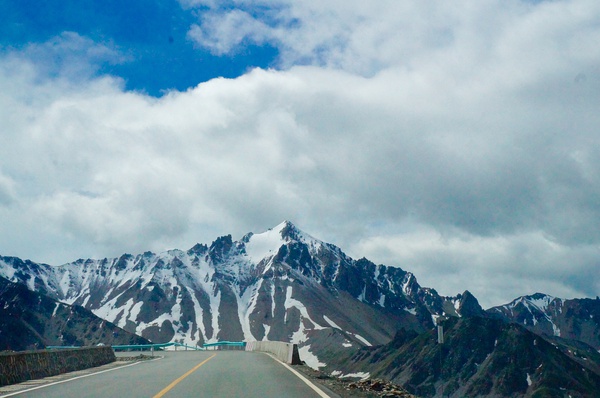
[{"x": 459, "y": 142}]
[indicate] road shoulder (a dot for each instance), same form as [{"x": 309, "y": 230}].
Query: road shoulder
[{"x": 14, "y": 389}]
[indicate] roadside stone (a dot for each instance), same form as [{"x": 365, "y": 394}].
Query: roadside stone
[
  {"x": 381, "y": 387},
  {"x": 366, "y": 388},
  {"x": 140, "y": 357}
]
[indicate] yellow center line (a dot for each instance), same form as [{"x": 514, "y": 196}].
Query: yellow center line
[{"x": 175, "y": 382}]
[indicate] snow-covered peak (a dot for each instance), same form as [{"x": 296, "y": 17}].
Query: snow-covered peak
[
  {"x": 290, "y": 232},
  {"x": 283, "y": 225},
  {"x": 267, "y": 244},
  {"x": 537, "y": 301}
]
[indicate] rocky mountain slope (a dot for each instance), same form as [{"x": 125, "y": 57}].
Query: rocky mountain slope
[
  {"x": 343, "y": 313},
  {"x": 282, "y": 284},
  {"x": 481, "y": 357},
  {"x": 30, "y": 320},
  {"x": 576, "y": 319}
]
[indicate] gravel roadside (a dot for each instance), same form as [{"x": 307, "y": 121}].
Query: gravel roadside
[{"x": 347, "y": 388}]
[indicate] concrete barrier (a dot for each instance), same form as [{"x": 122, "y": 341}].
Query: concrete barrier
[
  {"x": 17, "y": 367},
  {"x": 285, "y": 352}
]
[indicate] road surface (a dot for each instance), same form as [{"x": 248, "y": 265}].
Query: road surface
[{"x": 189, "y": 374}]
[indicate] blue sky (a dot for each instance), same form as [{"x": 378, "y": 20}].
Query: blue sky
[
  {"x": 457, "y": 140},
  {"x": 151, "y": 37}
]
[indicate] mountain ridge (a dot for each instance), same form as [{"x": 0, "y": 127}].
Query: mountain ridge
[
  {"x": 286, "y": 285},
  {"x": 480, "y": 357},
  {"x": 576, "y": 319},
  {"x": 280, "y": 284},
  {"x": 253, "y": 282}
]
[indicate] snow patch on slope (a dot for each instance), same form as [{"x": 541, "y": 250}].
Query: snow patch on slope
[
  {"x": 358, "y": 375},
  {"x": 215, "y": 302},
  {"x": 542, "y": 303},
  {"x": 306, "y": 322},
  {"x": 331, "y": 323},
  {"x": 309, "y": 358},
  {"x": 246, "y": 304},
  {"x": 365, "y": 341},
  {"x": 267, "y": 330},
  {"x": 199, "y": 316},
  {"x": 7, "y": 271}
]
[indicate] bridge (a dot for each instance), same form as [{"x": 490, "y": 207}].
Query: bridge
[{"x": 213, "y": 371}]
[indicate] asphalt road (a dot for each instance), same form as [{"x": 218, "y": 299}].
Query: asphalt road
[{"x": 188, "y": 374}]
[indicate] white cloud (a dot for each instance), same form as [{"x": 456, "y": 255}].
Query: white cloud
[
  {"x": 492, "y": 268},
  {"x": 223, "y": 34},
  {"x": 68, "y": 56},
  {"x": 7, "y": 190},
  {"x": 478, "y": 124},
  {"x": 367, "y": 37}
]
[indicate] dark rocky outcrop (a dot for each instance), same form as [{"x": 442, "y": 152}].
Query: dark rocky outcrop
[{"x": 481, "y": 357}]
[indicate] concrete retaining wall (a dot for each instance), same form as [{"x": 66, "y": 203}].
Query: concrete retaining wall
[
  {"x": 285, "y": 352},
  {"x": 29, "y": 365}
]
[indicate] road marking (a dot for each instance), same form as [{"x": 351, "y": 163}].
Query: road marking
[
  {"x": 304, "y": 379},
  {"x": 175, "y": 382},
  {"x": 67, "y": 380}
]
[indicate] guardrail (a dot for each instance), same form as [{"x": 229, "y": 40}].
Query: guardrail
[
  {"x": 152, "y": 347},
  {"x": 286, "y": 352},
  {"x": 130, "y": 347},
  {"x": 241, "y": 345},
  {"x": 216, "y": 345}
]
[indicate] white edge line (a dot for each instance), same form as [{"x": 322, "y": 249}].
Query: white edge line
[
  {"x": 304, "y": 379},
  {"x": 74, "y": 378}
]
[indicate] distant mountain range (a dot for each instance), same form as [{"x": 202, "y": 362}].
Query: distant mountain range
[
  {"x": 285, "y": 285},
  {"x": 577, "y": 319},
  {"x": 279, "y": 285}
]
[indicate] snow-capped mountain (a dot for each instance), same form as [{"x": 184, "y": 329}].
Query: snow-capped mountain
[
  {"x": 282, "y": 284},
  {"x": 30, "y": 320},
  {"x": 576, "y": 319}
]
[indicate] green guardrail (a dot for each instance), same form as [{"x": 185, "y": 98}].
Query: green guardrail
[
  {"x": 145, "y": 347},
  {"x": 218, "y": 344},
  {"x": 141, "y": 347}
]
